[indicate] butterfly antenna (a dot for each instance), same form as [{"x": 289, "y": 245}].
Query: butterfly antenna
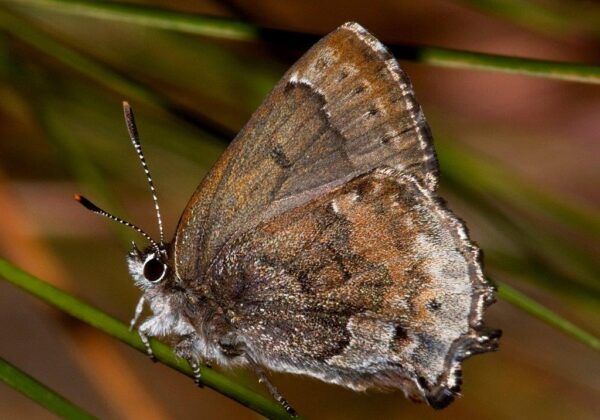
[
  {"x": 135, "y": 139},
  {"x": 95, "y": 209}
]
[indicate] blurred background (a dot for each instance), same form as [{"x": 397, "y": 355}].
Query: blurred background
[{"x": 520, "y": 161}]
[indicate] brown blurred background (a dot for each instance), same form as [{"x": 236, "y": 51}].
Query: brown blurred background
[{"x": 62, "y": 132}]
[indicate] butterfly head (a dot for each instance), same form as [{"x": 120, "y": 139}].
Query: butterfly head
[{"x": 148, "y": 268}]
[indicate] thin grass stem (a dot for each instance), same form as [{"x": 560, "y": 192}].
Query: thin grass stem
[
  {"x": 227, "y": 28},
  {"x": 40, "y": 393},
  {"x": 527, "y": 304}
]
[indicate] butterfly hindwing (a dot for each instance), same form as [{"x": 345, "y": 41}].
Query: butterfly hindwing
[{"x": 371, "y": 284}]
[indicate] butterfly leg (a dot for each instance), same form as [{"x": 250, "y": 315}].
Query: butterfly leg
[
  {"x": 138, "y": 311},
  {"x": 263, "y": 379},
  {"x": 185, "y": 350},
  {"x": 146, "y": 342},
  {"x": 233, "y": 346},
  {"x": 144, "y": 332}
]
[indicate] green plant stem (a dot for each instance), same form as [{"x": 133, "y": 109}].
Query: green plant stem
[
  {"x": 104, "y": 75},
  {"x": 476, "y": 178},
  {"x": 445, "y": 57},
  {"x": 109, "y": 325},
  {"x": 109, "y": 79},
  {"x": 532, "y": 16},
  {"x": 40, "y": 393},
  {"x": 226, "y": 28},
  {"x": 152, "y": 17},
  {"x": 536, "y": 272},
  {"x": 74, "y": 156},
  {"x": 544, "y": 314},
  {"x": 550, "y": 264}
]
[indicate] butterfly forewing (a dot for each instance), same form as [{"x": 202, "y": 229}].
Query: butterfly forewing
[{"x": 343, "y": 109}]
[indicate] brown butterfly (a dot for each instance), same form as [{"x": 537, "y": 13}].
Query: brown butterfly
[{"x": 317, "y": 244}]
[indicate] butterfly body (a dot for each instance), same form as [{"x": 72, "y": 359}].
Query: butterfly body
[{"x": 317, "y": 244}]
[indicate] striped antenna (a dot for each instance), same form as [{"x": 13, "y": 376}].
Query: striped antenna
[
  {"x": 95, "y": 209},
  {"x": 135, "y": 139}
]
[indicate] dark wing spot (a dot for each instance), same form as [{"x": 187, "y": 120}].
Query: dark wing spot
[
  {"x": 400, "y": 339},
  {"x": 395, "y": 98},
  {"x": 304, "y": 282},
  {"x": 364, "y": 189},
  {"x": 358, "y": 195},
  {"x": 433, "y": 305},
  {"x": 400, "y": 333},
  {"x": 335, "y": 344},
  {"x": 288, "y": 87},
  {"x": 341, "y": 263},
  {"x": 387, "y": 138},
  {"x": 373, "y": 111},
  {"x": 279, "y": 157},
  {"x": 379, "y": 208},
  {"x": 390, "y": 136},
  {"x": 358, "y": 89}
]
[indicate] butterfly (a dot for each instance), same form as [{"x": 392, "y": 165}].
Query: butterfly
[{"x": 317, "y": 244}]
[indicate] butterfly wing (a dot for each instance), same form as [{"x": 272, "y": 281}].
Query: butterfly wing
[
  {"x": 343, "y": 109},
  {"x": 372, "y": 284}
]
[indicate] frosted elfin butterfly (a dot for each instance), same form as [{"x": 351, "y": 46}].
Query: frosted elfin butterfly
[{"x": 317, "y": 244}]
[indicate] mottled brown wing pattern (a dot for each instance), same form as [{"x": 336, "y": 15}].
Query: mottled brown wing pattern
[
  {"x": 372, "y": 284},
  {"x": 343, "y": 109}
]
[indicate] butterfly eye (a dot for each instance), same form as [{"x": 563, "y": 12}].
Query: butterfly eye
[{"x": 154, "y": 270}]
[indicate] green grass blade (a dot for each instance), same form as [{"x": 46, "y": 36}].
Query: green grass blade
[
  {"x": 536, "y": 272},
  {"x": 504, "y": 184},
  {"x": 544, "y": 314},
  {"x": 73, "y": 155},
  {"x": 40, "y": 393},
  {"x": 478, "y": 180},
  {"x": 533, "y": 16},
  {"x": 81, "y": 166},
  {"x": 233, "y": 29},
  {"x": 445, "y": 57},
  {"x": 20, "y": 28},
  {"x": 102, "y": 74},
  {"x": 152, "y": 17},
  {"x": 109, "y": 325},
  {"x": 536, "y": 248}
]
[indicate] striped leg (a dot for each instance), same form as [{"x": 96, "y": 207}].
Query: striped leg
[
  {"x": 263, "y": 379},
  {"x": 185, "y": 350},
  {"x": 138, "y": 311},
  {"x": 233, "y": 345},
  {"x": 146, "y": 342}
]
